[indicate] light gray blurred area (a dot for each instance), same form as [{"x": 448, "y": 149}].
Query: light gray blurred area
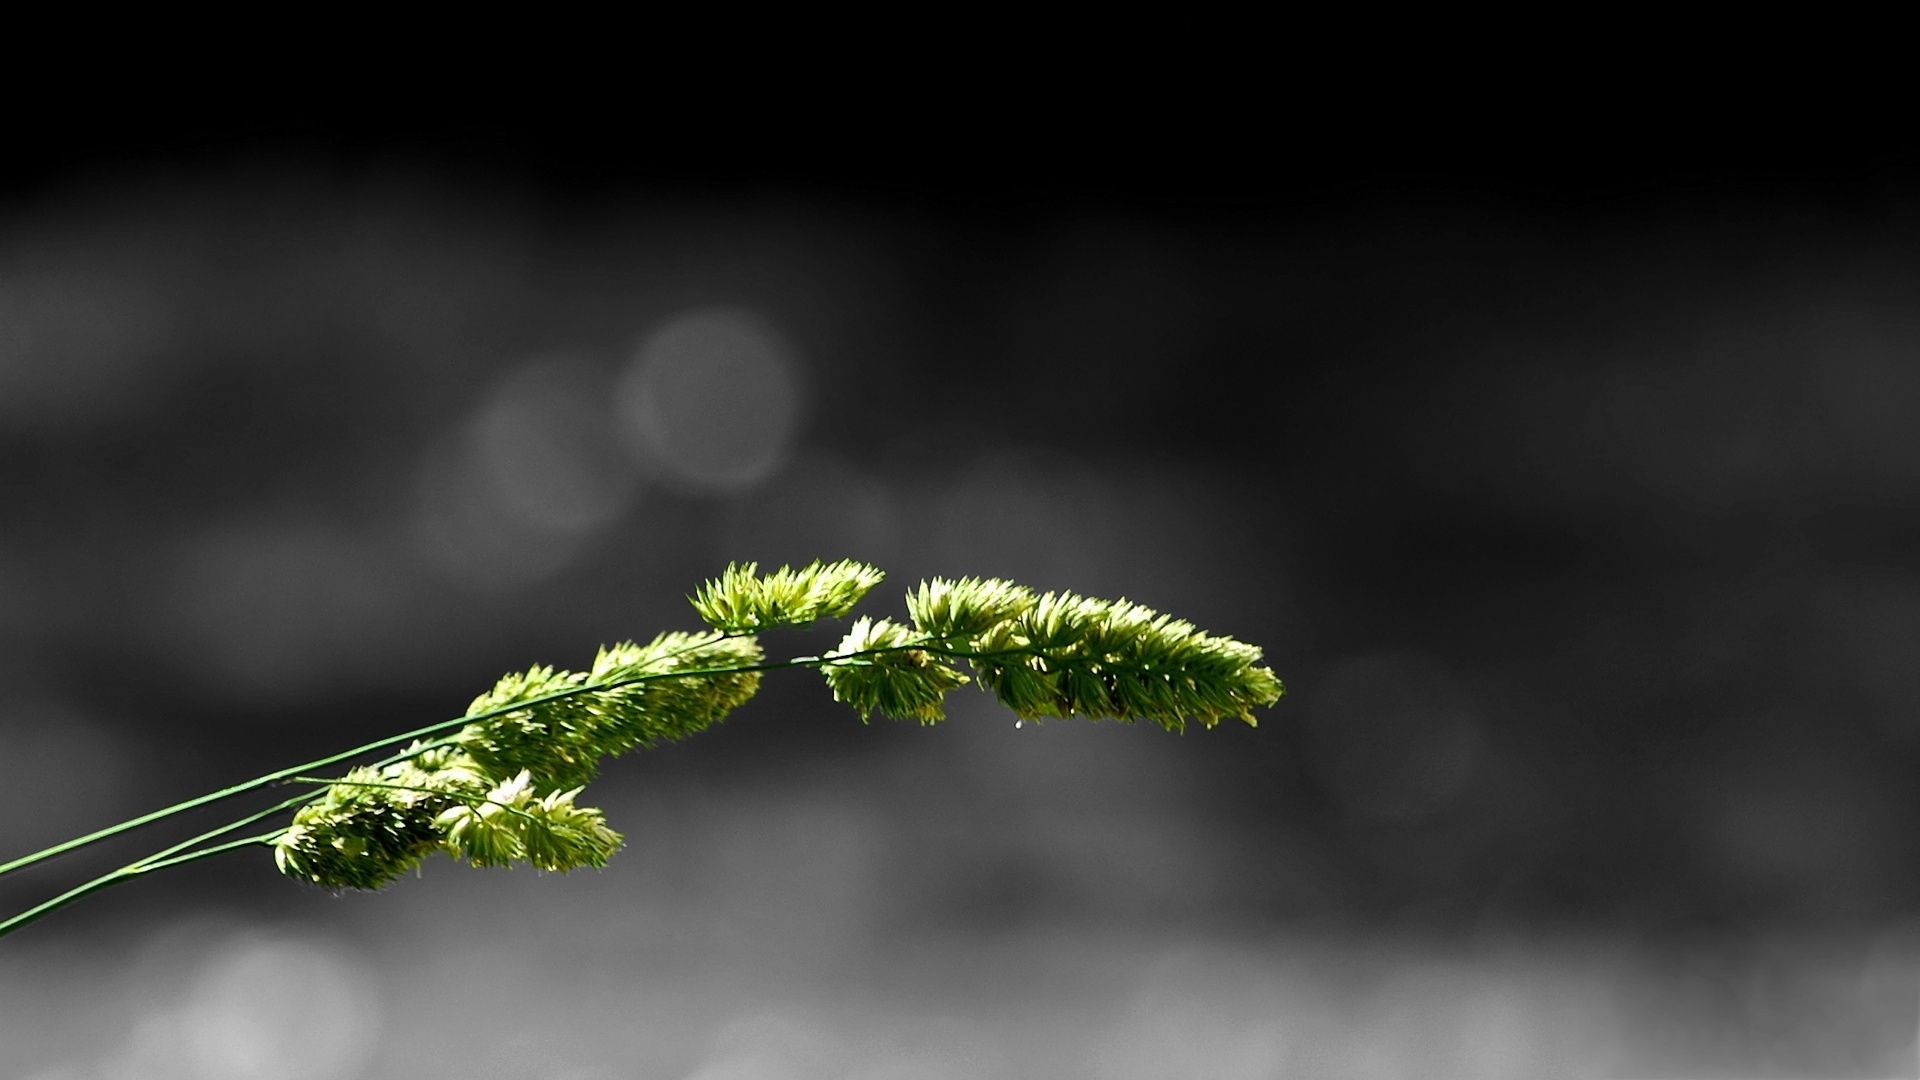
[{"x": 1586, "y": 539}]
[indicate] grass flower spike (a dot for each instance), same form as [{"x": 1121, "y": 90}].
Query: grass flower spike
[
  {"x": 498, "y": 786},
  {"x": 743, "y": 601}
]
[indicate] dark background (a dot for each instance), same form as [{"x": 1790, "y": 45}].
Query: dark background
[{"x": 1572, "y": 485}]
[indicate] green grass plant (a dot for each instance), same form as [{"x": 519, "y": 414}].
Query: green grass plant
[{"x": 499, "y": 785}]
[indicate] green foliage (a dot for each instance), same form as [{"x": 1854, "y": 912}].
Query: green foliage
[
  {"x": 883, "y": 666},
  {"x": 960, "y": 610},
  {"x": 375, "y": 824},
  {"x": 570, "y": 720},
  {"x": 497, "y": 786},
  {"x": 1071, "y": 655},
  {"x": 1053, "y": 655},
  {"x": 514, "y": 824},
  {"x": 743, "y": 601},
  {"x": 502, "y": 788}
]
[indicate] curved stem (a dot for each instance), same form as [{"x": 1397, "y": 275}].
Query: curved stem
[
  {"x": 167, "y": 856},
  {"x": 186, "y": 851},
  {"x": 348, "y": 755},
  {"x": 448, "y": 725},
  {"x": 131, "y": 871},
  {"x": 204, "y": 853}
]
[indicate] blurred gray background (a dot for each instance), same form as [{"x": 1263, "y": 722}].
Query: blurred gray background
[{"x": 1582, "y": 522}]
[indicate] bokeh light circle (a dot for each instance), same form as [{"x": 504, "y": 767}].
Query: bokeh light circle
[
  {"x": 543, "y": 443},
  {"x": 712, "y": 400},
  {"x": 511, "y": 497}
]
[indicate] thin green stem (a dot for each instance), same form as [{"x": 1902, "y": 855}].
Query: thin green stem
[
  {"x": 258, "y": 815},
  {"x": 203, "y": 853},
  {"x": 187, "y": 850},
  {"x": 128, "y": 873},
  {"x": 167, "y": 856},
  {"x": 447, "y": 725},
  {"x": 348, "y": 755}
]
